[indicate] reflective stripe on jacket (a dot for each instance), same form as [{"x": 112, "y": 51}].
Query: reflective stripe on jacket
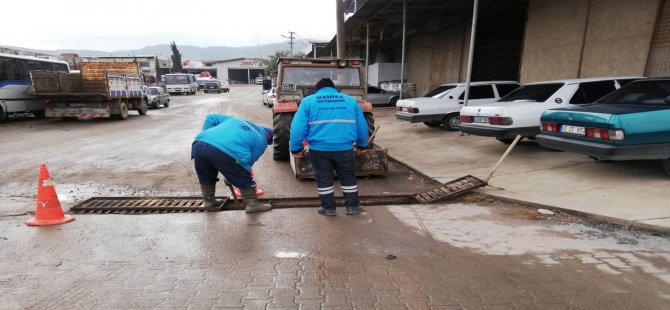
[{"x": 329, "y": 121}]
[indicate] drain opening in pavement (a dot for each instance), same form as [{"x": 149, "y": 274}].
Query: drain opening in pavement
[{"x": 152, "y": 205}]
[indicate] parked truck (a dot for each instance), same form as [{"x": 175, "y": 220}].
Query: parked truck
[{"x": 100, "y": 90}]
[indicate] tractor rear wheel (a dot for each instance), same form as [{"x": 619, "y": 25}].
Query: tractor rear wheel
[{"x": 281, "y": 125}]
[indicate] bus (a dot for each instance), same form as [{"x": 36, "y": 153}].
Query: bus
[
  {"x": 15, "y": 90},
  {"x": 180, "y": 83}
]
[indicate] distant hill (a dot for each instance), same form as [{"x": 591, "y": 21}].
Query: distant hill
[{"x": 188, "y": 52}]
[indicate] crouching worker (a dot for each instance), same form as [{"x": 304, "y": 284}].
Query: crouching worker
[{"x": 231, "y": 146}]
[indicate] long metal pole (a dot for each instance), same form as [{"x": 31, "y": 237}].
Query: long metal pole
[
  {"x": 471, "y": 52},
  {"x": 367, "y": 60},
  {"x": 341, "y": 50},
  {"x": 402, "y": 54}
]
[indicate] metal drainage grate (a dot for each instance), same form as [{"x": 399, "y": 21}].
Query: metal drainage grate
[
  {"x": 450, "y": 189},
  {"x": 133, "y": 205},
  {"x": 137, "y": 205}
]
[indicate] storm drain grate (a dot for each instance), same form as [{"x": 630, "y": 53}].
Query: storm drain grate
[
  {"x": 131, "y": 205},
  {"x": 450, "y": 189},
  {"x": 148, "y": 205}
]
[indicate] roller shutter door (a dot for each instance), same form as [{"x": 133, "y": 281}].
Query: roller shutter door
[{"x": 658, "y": 63}]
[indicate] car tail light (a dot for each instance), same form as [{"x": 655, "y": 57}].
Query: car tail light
[
  {"x": 49, "y": 104},
  {"x": 273, "y": 96},
  {"x": 498, "y": 120},
  {"x": 355, "y": 62},
  {"x": 398, "y": 109},
  {"x": 605, "y": 134},
  {"x": 466, "y": 119},
  {"x": 549, "y": 126},
  {"x": 286, "y": 61},
  {"x": 412, "y": 110}
]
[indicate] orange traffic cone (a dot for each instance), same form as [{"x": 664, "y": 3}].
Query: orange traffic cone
[
  {"x": 259, "y": 191},
  {"x": 48, "y": 210}
]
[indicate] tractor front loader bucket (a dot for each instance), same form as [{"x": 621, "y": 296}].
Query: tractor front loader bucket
[{"x": 372, "y": 162}]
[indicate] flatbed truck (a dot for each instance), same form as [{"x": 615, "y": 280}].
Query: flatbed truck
[{"x": 100, "y": 90}]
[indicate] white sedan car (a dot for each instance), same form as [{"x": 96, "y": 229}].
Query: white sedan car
[
  {"x": 270, "y": 97},
  {"x": 441, "y": 106},
  {"x": 519, "y": 112}
]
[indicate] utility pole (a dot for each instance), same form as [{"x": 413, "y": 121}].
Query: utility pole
[{"x": 290, "y": 37}]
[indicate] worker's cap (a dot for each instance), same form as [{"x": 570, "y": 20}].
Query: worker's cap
[
  {"x": 324, "y": 82},
  {"x": 270, "y": 133}
]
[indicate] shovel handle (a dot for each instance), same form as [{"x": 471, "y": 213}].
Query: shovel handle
[
  {"x": 232, "y": 191},
  {"x": 509, "y": 149},
  {"x": 372, "y": 136}
]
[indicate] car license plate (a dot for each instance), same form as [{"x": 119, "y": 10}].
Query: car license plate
[
  {"x": 404, "y": 109},
  {"x": 575, "y": 130},
  {"x": 480, "y": 119}
]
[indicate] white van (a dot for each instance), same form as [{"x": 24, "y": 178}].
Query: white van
[{"x": 180, "y": 83}]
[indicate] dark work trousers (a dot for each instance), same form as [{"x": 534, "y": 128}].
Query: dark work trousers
[
  {"x": 209, "y": 161},
  {"x": 325, "y": 164}
]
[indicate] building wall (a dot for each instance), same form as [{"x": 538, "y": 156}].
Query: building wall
[
  {"x": 438, "y": 59},
  {"x": 587, "y": 38},
  {"x": 553, "y": 39},
  {"x": 419, "y": 63},
  {"x": 618, "y": 37},
  {"x": 237, "y": 64}
]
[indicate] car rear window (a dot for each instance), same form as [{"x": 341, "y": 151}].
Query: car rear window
[
  {"x": 504, "y": 89},
  {"x": 439, "y": 90},
  {"x": 153, "y": 91},
  {"x": 592, "y": 91},
  {"x": 479, "y": 92},
  {"x": 648, "y": 92},
  {"x": 536, "y": 92}
]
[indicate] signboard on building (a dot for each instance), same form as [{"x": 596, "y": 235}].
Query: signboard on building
[{"x": 251, "y": 63}]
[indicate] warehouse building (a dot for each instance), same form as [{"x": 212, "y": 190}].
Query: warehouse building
[
  {"x": 238, "y": 70},
  {"x": 523, "y": 40}
]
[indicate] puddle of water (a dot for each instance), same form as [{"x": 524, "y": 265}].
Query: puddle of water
[
  {"x": 290, "y": 255},
  {"x": 478, "y": 228}
]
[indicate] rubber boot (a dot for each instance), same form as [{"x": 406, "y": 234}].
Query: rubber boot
[
  {"x": 208, "y": 196},
  {"x": 251, "y": 202}
]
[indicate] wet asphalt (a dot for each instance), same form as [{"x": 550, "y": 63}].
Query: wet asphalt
[{"x": 470, "y": 253}]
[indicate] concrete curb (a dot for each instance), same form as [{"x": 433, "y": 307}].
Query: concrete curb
[{"x": 586, "y": 215}]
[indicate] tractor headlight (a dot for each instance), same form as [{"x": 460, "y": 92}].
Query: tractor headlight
[{"x": 342, "y": 63}]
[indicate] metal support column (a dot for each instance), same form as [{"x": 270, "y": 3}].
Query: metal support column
[
  {"x": 402, "y": 55},
  {"x": 341, "y": 48},
  {"x": 471, "y": 52},
  {"x": 367, "y": 60}
]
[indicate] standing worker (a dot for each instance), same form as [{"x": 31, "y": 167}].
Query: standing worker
[
  {"x": 331, "y": 122},
  {"x": 231, "y": 146}
]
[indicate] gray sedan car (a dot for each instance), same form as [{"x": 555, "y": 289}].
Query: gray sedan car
[
  {"x": 157, "y": 96},
  {"x": 378, "y": 96}
]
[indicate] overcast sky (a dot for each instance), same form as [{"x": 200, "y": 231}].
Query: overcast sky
[{"x": 132, "y": 24}]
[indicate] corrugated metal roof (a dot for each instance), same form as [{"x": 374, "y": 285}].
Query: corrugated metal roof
[{"x": 423, "y": 16}]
